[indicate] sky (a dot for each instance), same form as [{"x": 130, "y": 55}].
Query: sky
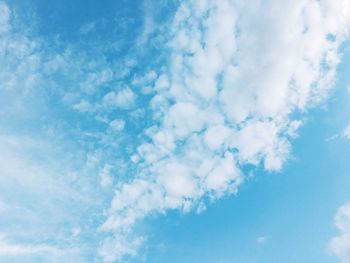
[{"x": 174, "y": 131}]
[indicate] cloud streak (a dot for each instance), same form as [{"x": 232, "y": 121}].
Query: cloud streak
[{"x": 10, "y": 249}]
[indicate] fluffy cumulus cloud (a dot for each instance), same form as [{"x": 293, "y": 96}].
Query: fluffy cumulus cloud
[
  {"x": 222, "y": 95},
  {"x": 236, "y": 74},
  {"x": 340, "y": 245}
]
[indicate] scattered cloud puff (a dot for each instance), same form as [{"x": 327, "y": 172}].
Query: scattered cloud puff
[
  {"x": 117, "y": 125},
  {"x": 340, "y": 245},
  {"x": 236, "y": 74},
  {"x": 124, "y": 99}
]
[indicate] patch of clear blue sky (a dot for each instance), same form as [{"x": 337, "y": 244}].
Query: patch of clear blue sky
[{"x": 293, "y": 209}]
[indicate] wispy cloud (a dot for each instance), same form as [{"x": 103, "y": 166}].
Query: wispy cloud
[
  {"x": 49, "y": 180},
  {"x": 13, "y": 249},
  {"x": 344, "y": 134}
]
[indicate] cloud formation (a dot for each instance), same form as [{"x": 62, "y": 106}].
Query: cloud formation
[
  {"x": 233, "y": 77},
  {"x": 340, "y": 245},
  {"x": 236, "y": 74}
]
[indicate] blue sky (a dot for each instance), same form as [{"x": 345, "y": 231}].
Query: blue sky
[{"x": 174, "y": 131}]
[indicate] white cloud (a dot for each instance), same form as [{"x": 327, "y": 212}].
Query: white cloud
[
  {"x": 117, "y": 125},
  {"x": 340, "y": 245},
  {"x": 84, "y": 106},
  {"x": 144, "y": 83},
  {"x": 236, "y": 73},
  {"x": 124, "y": 99}
]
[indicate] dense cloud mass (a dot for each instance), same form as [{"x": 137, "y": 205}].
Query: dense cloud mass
[
  {"x": 232, "y": 80},
  {"x": 236, "y": 74}
]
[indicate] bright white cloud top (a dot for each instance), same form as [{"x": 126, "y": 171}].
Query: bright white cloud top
[{"x": 232, "y": 80}]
